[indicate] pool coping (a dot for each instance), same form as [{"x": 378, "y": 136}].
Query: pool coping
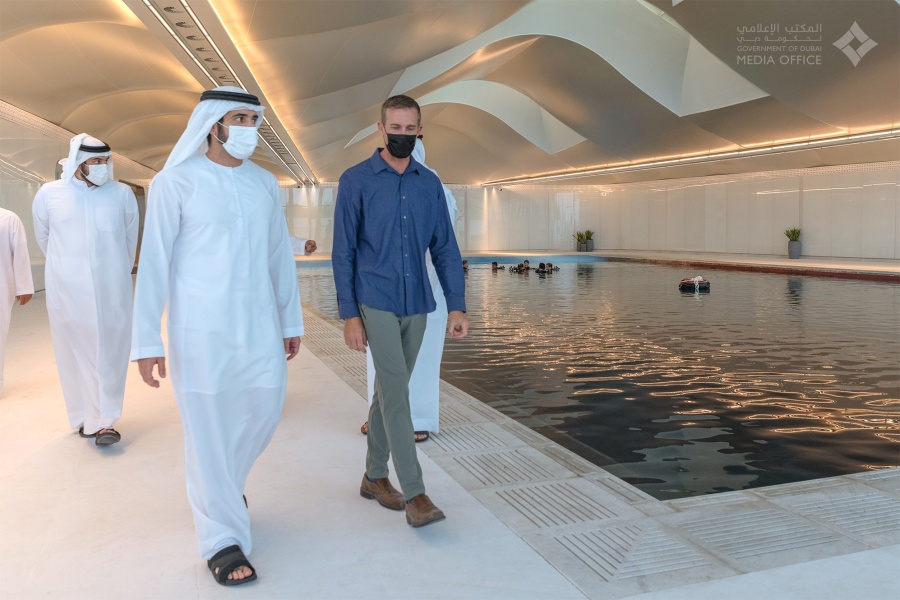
[
  {"x": 870, "y": 269},
  {"x": 612, "y": 540}
]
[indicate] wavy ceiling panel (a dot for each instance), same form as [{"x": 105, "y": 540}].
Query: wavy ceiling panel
[{"x": 510, "y": 87}]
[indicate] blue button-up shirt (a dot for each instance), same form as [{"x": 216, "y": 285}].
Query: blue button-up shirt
[{"x": 383, "y": 224}]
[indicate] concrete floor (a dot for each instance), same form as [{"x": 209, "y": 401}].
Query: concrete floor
[{"x": 526, "y": 518}]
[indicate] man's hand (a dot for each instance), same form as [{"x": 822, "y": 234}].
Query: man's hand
[
  {"x": 23, "y": 299},
  {"x": 291, "y": 347},
  {"x": 310, "y": 246},
  {"x": 457, "y": 324},
  {"x": 145, "y": 366},
  {"x": 355, "y": 334}
]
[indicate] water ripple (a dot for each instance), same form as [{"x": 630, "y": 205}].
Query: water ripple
[{"x": 769, "y": 379}]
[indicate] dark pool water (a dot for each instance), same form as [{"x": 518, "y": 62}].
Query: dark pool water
[{"x": 768, "y": 379}]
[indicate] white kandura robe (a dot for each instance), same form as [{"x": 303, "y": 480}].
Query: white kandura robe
[
  {"x": 89, "y": 236},
  {"x": 298, "y": 246},
  {"x": 216, "y": 248},
  {"x": 15, "y": 273}
]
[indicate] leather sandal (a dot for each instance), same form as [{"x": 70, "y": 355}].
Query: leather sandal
[
  {"x": 226, "y": 561},
  {"x": 107, "y": 437}
]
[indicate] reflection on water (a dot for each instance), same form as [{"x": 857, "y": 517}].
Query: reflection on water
[{"x": 767, "y": 379}]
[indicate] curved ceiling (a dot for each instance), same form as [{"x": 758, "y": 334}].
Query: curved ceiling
[{"x": 509, "y": 88}]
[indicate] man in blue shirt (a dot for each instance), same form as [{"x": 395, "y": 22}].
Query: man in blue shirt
[{"x": 390, "y": 209}]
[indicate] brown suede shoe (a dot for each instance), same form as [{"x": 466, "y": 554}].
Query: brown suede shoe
[
  {"x": 420, "y": 511},
  {"x": 383, "y": 491}
]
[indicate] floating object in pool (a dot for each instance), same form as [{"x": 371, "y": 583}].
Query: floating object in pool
[{"x": 697, "y": 285}]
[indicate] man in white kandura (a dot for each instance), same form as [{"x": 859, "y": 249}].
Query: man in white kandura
[
  {"x": 216, "y": 249},
  {"x": 15, "y": 274},
  {"x": 425, "y": 381},
  {"x": 303, "y": 246},
  {"x": 86, "y": 224}
]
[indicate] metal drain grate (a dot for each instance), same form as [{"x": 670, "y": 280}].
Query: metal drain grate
[
  {"x": 871, "y": 514},
  {"x": 791, "y": 489},
  {"x": 453, "y": 416},
  {"x": 503, "y": 468},
  {"x": 631, "y": 551},
  {"x": 757, "y": 533},
  {"x": 466, "y": 438},
  {"x": 881, "y": 475},
  {"x": 556, "y": 504}
]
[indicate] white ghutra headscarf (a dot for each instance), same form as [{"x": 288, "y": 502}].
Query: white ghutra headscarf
[
  {"x": 418, "y": 153},
  {"x": 214, "y": 104},
  {"x": 81, "y": 148}
]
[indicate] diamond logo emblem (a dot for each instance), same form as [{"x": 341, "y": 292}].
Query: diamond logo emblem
[{"x": 845, "y": 44}]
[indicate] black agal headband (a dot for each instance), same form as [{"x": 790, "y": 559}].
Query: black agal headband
[
  {"x": 93, "y": 149},
  {"x": 233, "y": 96}
]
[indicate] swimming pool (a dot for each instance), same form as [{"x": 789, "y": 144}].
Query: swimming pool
[{"x": 768, "y": 379}]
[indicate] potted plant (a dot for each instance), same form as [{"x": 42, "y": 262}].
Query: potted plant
[
  {"x": 589, "y": 240},
  {"x": 793, "y": 236},
  {"x": 580, "y": 243}
]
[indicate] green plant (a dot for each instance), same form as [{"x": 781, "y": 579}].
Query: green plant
[
  {"x": 579, "y": 237},
  {"x": 793, "y": 234},
  {"x": 588, "y": 235}
]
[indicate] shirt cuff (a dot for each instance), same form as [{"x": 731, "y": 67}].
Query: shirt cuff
[
  {"x": 292, "y": 332},
  {"x": 456, "y": 303},
  {"x": 348, "y": 310},
  {"x": 147, "y": 352}
]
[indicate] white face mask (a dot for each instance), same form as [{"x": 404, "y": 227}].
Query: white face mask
[
  {"x": 241, "y": 141},
  {"x": 97, "y": 174}
]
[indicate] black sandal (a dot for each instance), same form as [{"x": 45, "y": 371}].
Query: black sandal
[
  {"x": 225, "y": 561},
  {"x": 418, "y": 433},
  {"x": 85, "y": 435},
  {"x": 107, "y": 437}
]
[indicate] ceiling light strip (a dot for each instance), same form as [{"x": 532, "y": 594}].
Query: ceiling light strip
[
  {"x": 212, "y": 43},
  {"x": 886, "y": 134},
  {"x": 176, "y": 37},
  {"x": 305, "y": 178},
  {"x": 234, "y": 75},
  {"x": 227, "y": 64}
]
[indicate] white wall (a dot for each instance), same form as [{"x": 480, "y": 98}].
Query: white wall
[{"x": 848, "y": 211}]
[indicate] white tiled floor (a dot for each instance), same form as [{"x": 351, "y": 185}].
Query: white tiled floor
[{"x": 75, "y": 520}]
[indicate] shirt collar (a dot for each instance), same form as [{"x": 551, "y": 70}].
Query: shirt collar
[{"x": 378, "y": 163}]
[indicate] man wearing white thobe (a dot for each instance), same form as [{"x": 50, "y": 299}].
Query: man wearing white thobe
[
  {"x": 303, "y": 246},
  {"x": 86, "y": 224},
  {"x": 425, "y": 381},
  {"x": 16, "y": 284},
  {"x": 216, "y": 249}
]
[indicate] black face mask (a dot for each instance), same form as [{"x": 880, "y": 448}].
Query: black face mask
[{"x": 399, "y": 145}]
